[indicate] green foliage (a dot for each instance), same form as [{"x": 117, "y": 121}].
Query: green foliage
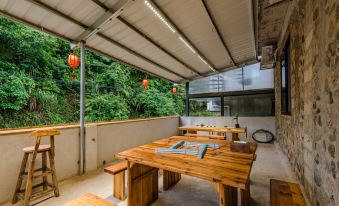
[
  {"x": 106, "y": 107},
  {"x": 14, "y": 90},
  {"x": 36, "y": 86}
]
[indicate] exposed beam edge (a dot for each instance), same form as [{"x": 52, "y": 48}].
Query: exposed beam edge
[
  {"x": 157, "y": 45},
  {"x": 254, "y": 10},
  {"x": 221, "y": 38},
  {"x": 56, "y": 12},
  {"x": 240, "y": 64},
  {"x": 47, "y": 7},
  {"x": 130, "y": 26},
  {"x": 140, "y": 56},
  {"x": 108, "y": 16},
  {"x": 182, "y": 34},
  {"x": 39, "y": 28},
  {"x": 35, "y": 26}
]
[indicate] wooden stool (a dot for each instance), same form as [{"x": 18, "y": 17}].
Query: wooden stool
[{"x": 43, "y": 172}]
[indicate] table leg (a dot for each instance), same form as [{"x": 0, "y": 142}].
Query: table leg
[
  {"x": 245, "y": 196},
  {"x": 170, "y": 179},
  {"x": 142, "y": 185},
  {"x": 119, "y": 185},
  {"x": 235, "y": 137},
  {"x": 228, "y": 196}
]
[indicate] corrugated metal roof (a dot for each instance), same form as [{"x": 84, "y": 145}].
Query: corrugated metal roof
[{"x": 201, "y": 36}]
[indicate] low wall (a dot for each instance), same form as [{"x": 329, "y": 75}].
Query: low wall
[
  {"x": 252, "y": 123},
  {"x": 103, "y": 140}
]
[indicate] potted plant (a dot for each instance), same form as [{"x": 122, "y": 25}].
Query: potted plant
[{"x": 236, "y": 119}]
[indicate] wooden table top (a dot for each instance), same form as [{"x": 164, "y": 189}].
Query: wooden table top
[
  {"x": 218, "y": 165},
  {"x": 214, "y": 129}
]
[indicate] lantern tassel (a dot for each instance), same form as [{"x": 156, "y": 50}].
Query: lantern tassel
[{"x": 73, "y": 75}]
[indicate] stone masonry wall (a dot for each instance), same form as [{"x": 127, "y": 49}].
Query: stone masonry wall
[{"x": 309, "y": 136}]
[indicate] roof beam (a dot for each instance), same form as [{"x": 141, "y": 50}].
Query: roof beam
[
  {"x": 139, "y": 55},
  {"x": 108, "y": 16},
  {"x": 221, "y": 38},
  {"x": 130, "y": 26},
  {"x": 33, "y": 25},
  {"x": 158, "y": 46},
  {"x": 85, "y": 27},
  {"x": 182, "y": 34}
]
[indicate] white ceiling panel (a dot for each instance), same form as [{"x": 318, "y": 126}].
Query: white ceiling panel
[{"x": 138, "y": 36}]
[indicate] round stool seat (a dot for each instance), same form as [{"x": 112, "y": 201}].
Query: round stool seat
[{"x": 42, "y": 148}]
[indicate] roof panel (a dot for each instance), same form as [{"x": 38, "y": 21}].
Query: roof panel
[
  {"x": 141, "y": 45},
  {"x": 143, "y": 18},
  {"x": 192, "y": 19},
  {"x": 237, "y": 28},
  {"x": 140, "y": 38}
]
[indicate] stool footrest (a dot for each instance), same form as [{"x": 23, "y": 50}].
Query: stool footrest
[{"x": 35, "y": 195}]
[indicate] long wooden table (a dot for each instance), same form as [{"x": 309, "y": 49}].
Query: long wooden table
[
  {"x": 228, "y": 170},
  {"x": 235, "y": 131}
]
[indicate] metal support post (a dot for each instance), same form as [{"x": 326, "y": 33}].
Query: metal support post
[
  {"x": 82, "y": 108},
  {"x": 187, "y": 103}
]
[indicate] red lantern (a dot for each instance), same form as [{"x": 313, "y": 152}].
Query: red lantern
[
  {"x": 73, "y": 62},
  {"x": 145, "y": 83},
  {"x": 174, "y": 90}
]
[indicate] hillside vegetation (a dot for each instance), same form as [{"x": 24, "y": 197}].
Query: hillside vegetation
[{"x": 36, "y": 86}]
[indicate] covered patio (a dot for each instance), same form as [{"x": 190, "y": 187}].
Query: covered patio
[{"x": 247, "y": 65}]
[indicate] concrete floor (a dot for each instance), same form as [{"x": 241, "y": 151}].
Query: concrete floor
[{"x": 270, "y": 163}]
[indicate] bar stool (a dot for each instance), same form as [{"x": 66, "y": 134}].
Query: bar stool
[{"x": 26, "y": 194}]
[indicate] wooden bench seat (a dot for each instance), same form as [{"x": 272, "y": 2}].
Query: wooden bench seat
[
  {"x": 89, "y": 199},
  {"x": 285, "y": 193},
  {"x": 118, "y": 172},
  {"x": 116, "y": 168},
  {"x": 205, "y": 135}
]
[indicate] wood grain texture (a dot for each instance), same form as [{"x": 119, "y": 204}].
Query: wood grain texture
[
  {"x": 212, "y": 129},
  {"x": 206, "y": 136},
  {"x": 119, "y": 185},
  {"x": 89, "y": 199},
  {"x": 285, "y": 193},
  {"x": 170, "y": 179},
  {"x": 28, "y": 193},
  {"x": 228, "y": 196},
  {"x": 41, "y": 133},
  {"x": 116, "y": 168},
  {"x": 118, "y": 172},
  {"x": 218, "y": 165},
  {"x": 142, "y": 185}
]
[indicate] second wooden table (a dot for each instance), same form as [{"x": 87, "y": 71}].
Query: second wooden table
[{"x": 235, "y": 131}]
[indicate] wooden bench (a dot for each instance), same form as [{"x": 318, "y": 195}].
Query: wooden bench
[
  {"x": 89, "y": 199},
  {"x": 118, "y": 172},
  {"x": 285, "y": 193},
  {"x": 205, "y": 135}
]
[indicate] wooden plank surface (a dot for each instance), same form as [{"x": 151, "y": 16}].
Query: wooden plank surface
[
  {"x": 89, "y": 199},
  {"x": 206, "y": 136},
  {"x": 213, "y": 129},
  {"x": 285, "y": 193},
  {"x": 170, "y": 179},
  {"x": 142, "y": 185},
  {"x": 116, "y": 168},
  {"x": 218, "y": 165}
]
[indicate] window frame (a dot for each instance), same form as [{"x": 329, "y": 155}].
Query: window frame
[{"x": 285, "y": 72}]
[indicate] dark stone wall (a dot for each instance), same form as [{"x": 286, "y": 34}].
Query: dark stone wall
[{"x": 309, "y": 136}]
